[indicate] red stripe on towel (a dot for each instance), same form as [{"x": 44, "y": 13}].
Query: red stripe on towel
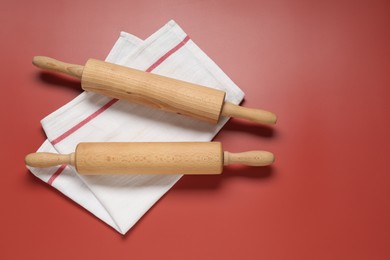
[
  {"x": 84, "y": 121},
  {"x": 169, "y": 53},
  {"x": 55, "y": 175}
]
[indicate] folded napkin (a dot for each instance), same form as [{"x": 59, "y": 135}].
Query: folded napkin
[{"x": 121, "y": 200}]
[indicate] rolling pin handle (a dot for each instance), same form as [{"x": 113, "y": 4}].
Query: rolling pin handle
[
  {"x": 252, "y": 114},
  {"x": 47, "y": 63},
  {"x": 250, "y": 158},
  {"x": 44, "y": 160}
]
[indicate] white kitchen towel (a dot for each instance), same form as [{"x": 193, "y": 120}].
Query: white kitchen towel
[{"x": 120, "y": 201}]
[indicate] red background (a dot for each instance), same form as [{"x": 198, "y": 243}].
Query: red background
[{"x": 322, "y": 66}]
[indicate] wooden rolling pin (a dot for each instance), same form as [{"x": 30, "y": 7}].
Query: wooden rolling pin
[
  {"x": 153, "y": 90},
  {"x": 150, "y": 158}
]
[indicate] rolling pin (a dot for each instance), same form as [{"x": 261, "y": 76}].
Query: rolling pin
[
  {"x": 149, "y": 158},
  {"x": 155, "y": 91}
]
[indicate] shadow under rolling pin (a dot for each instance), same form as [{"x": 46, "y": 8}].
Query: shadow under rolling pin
[
  {"x": 150, "y": 158},
  {"x": 153, "y": 90}
]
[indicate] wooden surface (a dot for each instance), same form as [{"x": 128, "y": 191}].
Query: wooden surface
[
  {"x": 249, "y": 158},
  {"x": 48, "y": 63},
  {"x": 153, "y": 90},
  {"x": 252, "y": 114},
  {"x": 150, "y": 158},
  {"x": 148, "y": 89},
  {"x": 322, "y": 66},
  {"x": 45, "y": 160}
]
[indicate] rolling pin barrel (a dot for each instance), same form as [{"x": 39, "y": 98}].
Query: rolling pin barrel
[
  {"x": 149, "y": 158},
  {"x": 153, "y": 90}
]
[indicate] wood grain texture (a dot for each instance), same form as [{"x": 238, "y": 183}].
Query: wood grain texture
[
  {"x": 48, "y": 63},
  {"x": 153, "y": 90},
  {"x": 44, "y": 160},
  {"x": 149, "y": 158},
  {"x": 252, "y": 114},
  {"x": 250, "y": 158}
]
